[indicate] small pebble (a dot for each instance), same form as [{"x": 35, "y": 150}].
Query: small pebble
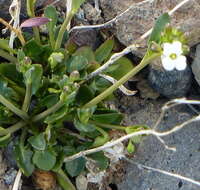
[{"x": 9, "y": 177}]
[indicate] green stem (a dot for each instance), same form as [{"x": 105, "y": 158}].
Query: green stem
[
  {"x": 13, "y": 108},
  {"x": 27, "y": 98},
  {"x": 48, "y": 111},
  {"x": 13, "y": 85},
  {"x": 23, "y": 137},
  {"x": 145, "y": 61},
  {"x": 62, "y": 30},
  {"x": 13, "y": 128},
  {"x": 7, "y": 56},
  {"x": 108, "y": 126},
  {"x": 64, "y": 181},
  {"x": 51, "y": 38},
  {"x": 31, "y": 13}
]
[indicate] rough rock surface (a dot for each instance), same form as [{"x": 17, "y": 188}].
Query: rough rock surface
[
  {"x": 171, "y": 84},
  {"x": 151, "y": 152},
  {"x": 196, "y": 65},
  {"x": 142, "y": 15}
]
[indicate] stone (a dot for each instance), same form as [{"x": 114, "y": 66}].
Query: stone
[
  {"x": 141, "y": 17},
  {"x": 150, "y": 152},
  {"x": 196, "y": 64},
  {"x": 171, "y": 84}
]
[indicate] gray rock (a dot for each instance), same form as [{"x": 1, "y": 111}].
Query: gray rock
[
  {"x": 185, "y": 161},
  {"x": 171, "y": 84},
  {"x": 9, "y": 177},
  {"x": 196, "y": 64},
  {"x": 142, "y": 15}
]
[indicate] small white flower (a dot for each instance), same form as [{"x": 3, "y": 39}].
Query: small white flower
[{"x": 172, "y": 57}]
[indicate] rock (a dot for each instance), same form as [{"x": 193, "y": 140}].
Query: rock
[
  {"x": 196, "y": 64},
  {"x": 185, "y": 161},
  {"x": 9, "y": 176},
  {"x": 141, "y": 17},
  {"x": 171, "y": 84},
  {"x": 9, "y": 155}
]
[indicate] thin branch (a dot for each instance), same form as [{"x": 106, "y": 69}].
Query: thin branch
[
  {"x": 126, "y": 137},
  {"x": 17, "y": 32},
  {"x": 122, "y": 87},
  {"x": 111, "y": 22},
  {"x": 112, "y": 60},
  {"x": 178, "y": 176},
  {"x": 17, "y": 181}
]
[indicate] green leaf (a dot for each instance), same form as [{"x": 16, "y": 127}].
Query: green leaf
[
  {"x": 110, "y": 118},
  {"x": 84, "y": 95},
  {"x": 84, "y": 127},
  {"x": 9, "y": 71},
  {"x": 36, "y": 52},
  {"x": 76, "y": 5},
  {"x": 33, "y": 50},
  {"x": 44, "y": 160},
  {"x": 51, "y": 13},
  {"x": 4, "y": 44},
  {"x": 103, "y": 52},
  {"x": 49, "y": 100},
  {"x": 75, "y": 167},
  {"x": 57, "y": 116},
  {"x": 23, "y": 158},
  {"x": 101, "y": 160},
  {"x": 76, "y": 63},
  {"x": 6, "y": 91},
  {"x": 33, "y": 76},
  {"x": 4, "y": 140},
  {"x": 130, "y": 147},
  {"x": 158, "y": 28},
  {"x": 38, "y": 141},
  {"x": 84, "y": 114},
  {"x": 86, "y": 52},
  {"x": 121, "y": 67}
]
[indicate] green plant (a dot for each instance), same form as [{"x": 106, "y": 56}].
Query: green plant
[{"x": 45, "y": 93}]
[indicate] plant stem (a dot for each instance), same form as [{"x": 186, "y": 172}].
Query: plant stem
[
  {"x": 23, "y": 137},
  {"x": 145, "y": 61},
  {"x": 7, "y": 56},
  {"x": 48, "y": 111},
  {"x": 108, "y": 126},
  {"x": 62, "y": 30},
  {"x": 13, "y": 128},
  {"x": 27, "y": 98},
  {"x": 64, "y": 181},
  {"x": 31, "y": 13},
  {"x": 13, "y": 108},
  {"x": 13, "y": 85},
  {"x": 17, "y": 31},
  {"x": 51, "y": 38}
]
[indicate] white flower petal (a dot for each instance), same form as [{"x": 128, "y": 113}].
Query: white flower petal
[
  {"x": 167, "y": 63},
  {"x": 177, "y": 48},
  {"x": 168, "y": 49},
  {"x": 180, "y": 63}
]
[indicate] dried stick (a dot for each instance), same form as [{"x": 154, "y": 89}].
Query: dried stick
[
  {"x": 111, "y": 22},
  {"x": 126, "y": 137},
  {"x": 178, "y": 176},
  {"x": 17, "y": 181},
  {"x": 122, "y": 87}
]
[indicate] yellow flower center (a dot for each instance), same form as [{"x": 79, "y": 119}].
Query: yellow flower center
[{"x": 173, "y": 56}]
